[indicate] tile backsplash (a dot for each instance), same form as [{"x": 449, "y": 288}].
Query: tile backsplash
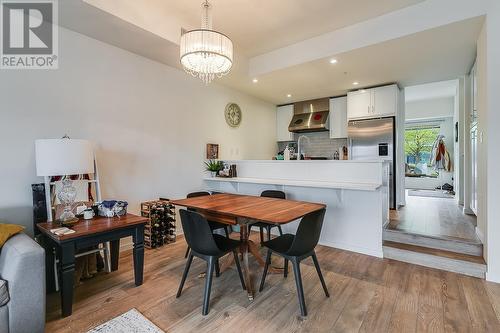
[{"x": 319, "y": 145}]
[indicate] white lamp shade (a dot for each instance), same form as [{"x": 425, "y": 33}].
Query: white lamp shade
[{"x": 60, "y": 157}]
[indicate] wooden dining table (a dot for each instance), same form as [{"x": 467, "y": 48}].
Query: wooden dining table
[{"x": 243, "y": 210}]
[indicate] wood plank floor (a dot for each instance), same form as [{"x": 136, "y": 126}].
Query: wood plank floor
[
  {"x": 439, "y": 217},
  {"x": 367, "y": 295}
]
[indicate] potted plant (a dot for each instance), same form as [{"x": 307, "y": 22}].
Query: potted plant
[{"x": 213, "y": 166}]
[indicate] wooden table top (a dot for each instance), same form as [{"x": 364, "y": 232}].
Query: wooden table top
[
  {"x": 94, "y": 226},
  {"x": 277, "y": 211}
]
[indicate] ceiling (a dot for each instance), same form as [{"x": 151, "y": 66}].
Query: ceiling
[
  {"x": 432, "y": 90},
  {"x": 152, "y": 29},
  {"x": 428, "y": 56},
  {"x": 256, "y": 26}
]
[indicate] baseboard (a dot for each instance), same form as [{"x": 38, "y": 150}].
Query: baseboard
[
  {"x": 480, "y": 235},
  {"x": 354, "y": 248},
  {"x": 493, "y": 277},
  {"x": 468, "y": 211}
]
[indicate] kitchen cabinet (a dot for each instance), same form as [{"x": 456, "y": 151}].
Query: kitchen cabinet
[
  {"x": 338, "y": 117},
  {"x": 373, "y": 103},
  {"x": 284, "y": 115}
]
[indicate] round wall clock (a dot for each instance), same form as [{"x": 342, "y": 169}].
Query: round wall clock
[{"x": 233, "y": 114}]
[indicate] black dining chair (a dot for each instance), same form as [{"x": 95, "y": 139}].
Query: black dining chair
[
  {"x": 213, "y": 225},
  {"x": 297, "y": 248},
  {"x": 267, "y": 226},
  {"x": 207, "y": 246}
]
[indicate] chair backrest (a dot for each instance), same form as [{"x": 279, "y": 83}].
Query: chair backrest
[
  {"x": 273, "y": 194},
  {"x": 307, "y": 235},
  {"x": 197, "y": 194},
  {"x": 198, "y": 234}
]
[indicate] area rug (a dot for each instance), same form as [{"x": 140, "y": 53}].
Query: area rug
[
  {"x": 430, "y": 193},
  {"x": 131, "y": 321}
]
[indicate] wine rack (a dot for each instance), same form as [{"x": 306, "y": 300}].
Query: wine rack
[{"x": 160, "y": 229}]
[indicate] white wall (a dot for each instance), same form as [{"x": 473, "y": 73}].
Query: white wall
[
  {"x": 492, "y": 78},
  {"x": 482, "y": 132},
  {"x": 149, "y": 122}
]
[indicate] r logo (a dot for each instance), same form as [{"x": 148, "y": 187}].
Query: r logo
[{"x": 29, "y": 29}]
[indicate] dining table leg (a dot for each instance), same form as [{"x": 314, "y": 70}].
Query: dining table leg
[{"x": 244, "y": 251}]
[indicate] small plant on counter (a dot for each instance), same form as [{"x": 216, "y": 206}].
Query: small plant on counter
[{"x": 213, "y": 166}]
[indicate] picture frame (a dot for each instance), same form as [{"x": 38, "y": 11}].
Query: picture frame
[{"x": 212, "y": 151}]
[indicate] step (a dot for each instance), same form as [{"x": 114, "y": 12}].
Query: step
[
  {"x": 433, "y": 258},
  {"x": 458, "y": 245}
]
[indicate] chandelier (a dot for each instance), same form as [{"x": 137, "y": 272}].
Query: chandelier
[{"x": 206, "y": 53}]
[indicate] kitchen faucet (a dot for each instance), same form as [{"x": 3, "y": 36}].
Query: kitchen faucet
[{"x": 298, "y": 145}]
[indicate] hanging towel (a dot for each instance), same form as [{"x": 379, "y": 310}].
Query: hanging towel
[{"x": 440, "y": 157}]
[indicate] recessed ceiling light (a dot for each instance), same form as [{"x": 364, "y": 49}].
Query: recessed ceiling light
[
  {"x": 289, "y": 95},
  {"x": 333, "y": 61},
  {"x": 255, "y": 80},
  {"x": 355, "y": 83}
]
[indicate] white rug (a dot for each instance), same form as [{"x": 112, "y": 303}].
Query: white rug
[
  {"x": 131, "y": 321},
  {"x": 429, "y": 193}
]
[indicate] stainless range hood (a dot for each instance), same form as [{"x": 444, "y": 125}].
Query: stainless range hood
[{"x": 310, "y": 116}]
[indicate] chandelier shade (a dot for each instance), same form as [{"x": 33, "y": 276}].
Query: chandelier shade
[{"x": 206, "y": 53}]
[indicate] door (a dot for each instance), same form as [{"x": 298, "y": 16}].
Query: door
[
  {"x": 284, "y": 115},
  {"x": 385, "y": 101},
  {"x": 473, "y": 162},
  {"x": 359, "y": 104}
]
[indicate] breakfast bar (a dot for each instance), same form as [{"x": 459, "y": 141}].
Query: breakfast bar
[{"x": 354, "y": 192}]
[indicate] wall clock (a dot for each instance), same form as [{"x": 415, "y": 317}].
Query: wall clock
[{"x": 233, "y": 114}]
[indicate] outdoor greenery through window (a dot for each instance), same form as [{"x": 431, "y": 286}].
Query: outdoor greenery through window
[{"x": 418, "y": 149}]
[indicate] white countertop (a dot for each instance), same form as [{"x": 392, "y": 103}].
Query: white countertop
[{"x": 299, "y": 183}]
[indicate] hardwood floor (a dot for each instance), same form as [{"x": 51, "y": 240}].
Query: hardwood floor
[
  {"x": 439, "y": 217},
  {"x": 367, "y": 295}
]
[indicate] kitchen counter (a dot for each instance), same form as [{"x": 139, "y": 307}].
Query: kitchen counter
[
  {"x": 355, "y": 193},
  {"x": 300, "y": 183}
]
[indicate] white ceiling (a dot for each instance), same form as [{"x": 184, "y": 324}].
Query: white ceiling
[
  {"x": 256, "y": 26},
  {"x": 428, "y": 56},
  {"x": 152, "y": 28},
  {"x": 433, "y": 90}
]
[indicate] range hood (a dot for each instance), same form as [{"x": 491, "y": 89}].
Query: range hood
[{"x": 310, "y": 116}]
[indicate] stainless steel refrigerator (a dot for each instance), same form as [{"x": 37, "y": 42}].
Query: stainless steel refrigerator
[{"x": 374, "y": 139}]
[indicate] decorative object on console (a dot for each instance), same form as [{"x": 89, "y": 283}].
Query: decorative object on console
[
  {"x": 63, "y": 157},
  {"x": 212, "y": 151},
  {"x": 206, "y": 53},
  {"x": 213, "y": 166},
  {"x": 233, "y": 115},
  {"x": 110, "y": 208},
  {"x": 160, "y": 229}
]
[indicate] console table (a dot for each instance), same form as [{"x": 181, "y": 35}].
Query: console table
[{"x": 90, "y": 233}]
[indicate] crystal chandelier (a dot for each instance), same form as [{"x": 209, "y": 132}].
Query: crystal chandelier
[{"x": 206, "y": 53}]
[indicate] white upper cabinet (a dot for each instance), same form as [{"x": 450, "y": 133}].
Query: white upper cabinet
[
  {"x": 385, "y": 100},
  {"x": 284, "y": 115},
  {"x": 359, "y": 104},
  {"x": 372, "y": 103},
  {"x": 338, "y": 117}
]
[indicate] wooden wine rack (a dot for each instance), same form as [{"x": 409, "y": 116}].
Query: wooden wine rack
[{"x": 161, "y": 226}]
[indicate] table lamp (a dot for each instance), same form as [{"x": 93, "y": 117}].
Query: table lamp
[{"x": 64, "y": 157}]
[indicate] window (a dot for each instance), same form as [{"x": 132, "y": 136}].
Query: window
[{"x": 418, "y": 149}]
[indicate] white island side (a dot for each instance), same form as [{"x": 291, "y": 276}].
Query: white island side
[{"x": 355, "y": 192}]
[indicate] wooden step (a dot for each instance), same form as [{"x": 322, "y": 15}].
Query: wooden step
[
  {"x": 433, "y": 258},
  {"x": 472, "y": 247}
]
